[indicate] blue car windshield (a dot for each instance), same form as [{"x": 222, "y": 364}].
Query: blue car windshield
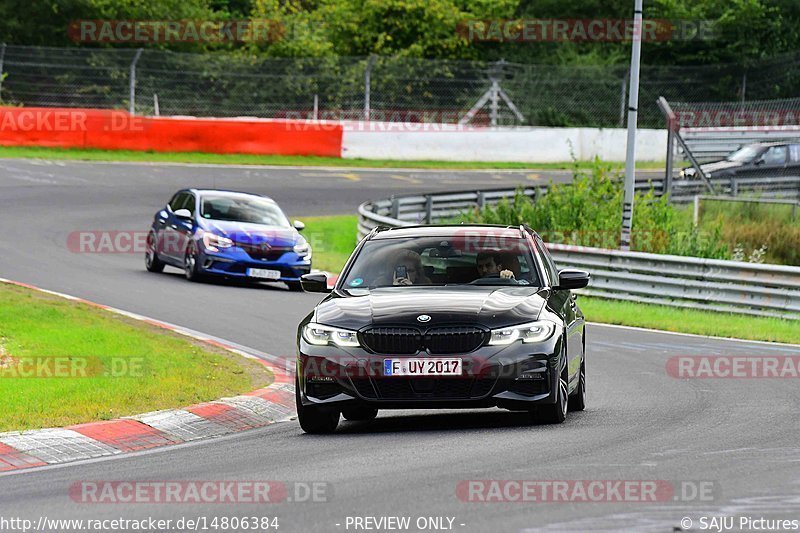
[
  {"x": 443, "y": 261},
  {"x": 242, "y": 209}
]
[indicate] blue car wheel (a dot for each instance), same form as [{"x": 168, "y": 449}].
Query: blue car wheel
[{"x": 190, "y": 266}]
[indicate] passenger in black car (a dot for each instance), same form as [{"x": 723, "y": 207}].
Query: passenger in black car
[
  {"x": 491, "y": 264},
  {"x": 406, "y": 270}
]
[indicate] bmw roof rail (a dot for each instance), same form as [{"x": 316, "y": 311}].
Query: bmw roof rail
[{"x": 376, "y": 229}]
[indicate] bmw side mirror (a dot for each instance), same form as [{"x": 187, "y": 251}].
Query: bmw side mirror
[
  {"x": 299, "y": 226},
  {"x": 314, "y": 283},
  {"x": 183, "y": 214},
  {"x": 572, "y": 278}
]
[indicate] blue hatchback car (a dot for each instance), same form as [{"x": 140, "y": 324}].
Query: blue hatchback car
[{"x": 230, "y": 234}]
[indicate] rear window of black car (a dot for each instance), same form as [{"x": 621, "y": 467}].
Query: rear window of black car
[{"x": 441, "y": 261}]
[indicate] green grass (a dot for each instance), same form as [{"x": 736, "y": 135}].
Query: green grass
[
  {"x": 333, "y": 239},
  {"x": 689, "y": 320},
  {"x": 771, "y": 231},
  {"x": 277, "y": 160},
  {"x": 156, "y": 369},
  {"x": 749, "y": 211}
]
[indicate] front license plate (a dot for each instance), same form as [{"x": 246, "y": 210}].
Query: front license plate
[
  {"x": 263, "y": 273},
  {"x": 414, "y": 366}
]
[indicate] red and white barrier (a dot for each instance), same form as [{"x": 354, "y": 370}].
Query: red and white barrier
[
  {"x": 450, "y": 142},
  {"x": 118, "y": 130}
]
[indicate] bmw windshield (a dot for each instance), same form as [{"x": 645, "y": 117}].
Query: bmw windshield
[{"x": 442, "y": 261}]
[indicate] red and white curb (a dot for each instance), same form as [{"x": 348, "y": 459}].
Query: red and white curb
[{"x": 35, "y": 448}]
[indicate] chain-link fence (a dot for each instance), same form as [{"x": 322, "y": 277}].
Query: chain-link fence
[
  {"x": 755, "y": 114},
  {"x": 379, "y": 88}
]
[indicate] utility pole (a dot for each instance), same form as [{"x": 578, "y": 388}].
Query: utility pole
[
  {"x": 368, "y": 86},
  {"x": 633, "y": 105},
  {"x": 132, "y": 83}
]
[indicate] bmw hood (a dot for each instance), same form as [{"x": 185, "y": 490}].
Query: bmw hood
[
  {"x": 246, "y": 233},
  {"x": 487, "y": 306}
]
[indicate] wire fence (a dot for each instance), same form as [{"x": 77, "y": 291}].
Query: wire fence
[{"x": 395, "y": 89}]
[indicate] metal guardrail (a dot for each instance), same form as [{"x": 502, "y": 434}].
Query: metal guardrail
[
  {"x": 678, "y": 281},
  {"x": 690, "y": 282},
  {"x": 430, "y": 208},
  {"x": 684, "y": 190}
]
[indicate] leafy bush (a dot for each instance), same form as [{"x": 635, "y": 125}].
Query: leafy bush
[
  {"x": 782, "y": 244},
  {"x": 588, "y": 212},
  {"x": 758, "y": 232}
]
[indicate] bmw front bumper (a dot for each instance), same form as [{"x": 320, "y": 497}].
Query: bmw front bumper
[{"x": 516, "y": 377}]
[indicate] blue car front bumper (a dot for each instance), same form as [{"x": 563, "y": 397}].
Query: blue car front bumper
[{"x": 235, "y": 263}]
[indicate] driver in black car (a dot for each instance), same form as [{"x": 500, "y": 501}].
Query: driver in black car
[{"x": 490, "y": 265}]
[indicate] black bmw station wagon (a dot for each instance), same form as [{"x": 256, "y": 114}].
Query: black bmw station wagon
[{"x": 443, "y": 316}]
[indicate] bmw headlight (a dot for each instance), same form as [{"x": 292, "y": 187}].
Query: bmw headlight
[
  {"x": 320, "y": 335},
  {"x": 538, "y": 331}
]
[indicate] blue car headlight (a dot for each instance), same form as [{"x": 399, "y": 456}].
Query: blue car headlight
[
  {"x": 303, "y": 249},
  {"x": 214, "y": 242}
]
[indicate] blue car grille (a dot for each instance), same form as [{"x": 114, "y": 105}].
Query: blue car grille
[{"x": 263, "y": 253}]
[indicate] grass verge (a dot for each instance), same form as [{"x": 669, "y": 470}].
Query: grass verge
[
  {"x": 681, "y": 320},
  {"x": 35, "y": 152},
  {"x": 333, "y": 239},
  {"x": 101, "y": 365}
]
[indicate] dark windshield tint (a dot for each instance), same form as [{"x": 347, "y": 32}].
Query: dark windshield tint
[
  {"x": 242, "y": 209},
  {"x": 442, "y": 261}
]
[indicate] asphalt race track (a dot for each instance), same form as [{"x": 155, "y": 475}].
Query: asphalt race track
[{"x": 740, "y": 435}]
